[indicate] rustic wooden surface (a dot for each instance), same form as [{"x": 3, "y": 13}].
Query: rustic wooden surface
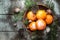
[{"x": 7, "y": 30}]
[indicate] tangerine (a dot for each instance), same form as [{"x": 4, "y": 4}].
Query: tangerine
[
  {"x": 49, "y": 19},
  {"x": 41, "y": 14},
  {"x": 32, "y": 26},
  {"x": 40, "y": 24},
  {"x": 31, "y": 16}
]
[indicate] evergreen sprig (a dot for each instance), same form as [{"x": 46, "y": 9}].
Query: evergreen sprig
[
  {"x": 29, "y": 3},
  {"x": 18, "y": 16},
  {"x": 52, "y": 34}
]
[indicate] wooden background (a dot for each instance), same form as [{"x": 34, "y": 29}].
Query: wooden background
[{"x": 7, "y": 29}]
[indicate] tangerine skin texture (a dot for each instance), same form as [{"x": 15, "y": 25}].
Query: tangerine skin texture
[
  {"x": 31, "y": 16},
  {"x": 32, "y": 26},
  {"x": 41, "y": 24},
  {"x": 41, "y": 14},
  {"x": 49, "y": 19}
]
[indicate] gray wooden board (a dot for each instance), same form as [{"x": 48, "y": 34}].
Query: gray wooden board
[{"x": 7, "y": 31}]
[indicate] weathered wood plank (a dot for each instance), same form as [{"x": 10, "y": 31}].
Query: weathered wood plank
[{"x": 7, "y": 35}]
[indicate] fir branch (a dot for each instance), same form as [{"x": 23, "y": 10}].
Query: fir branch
[
  {"x": 29, "y": 3},
  {"x": 18, "y": 16},
  {"x": 50, "y": 4},
  {"x": 52, "y": 34}
]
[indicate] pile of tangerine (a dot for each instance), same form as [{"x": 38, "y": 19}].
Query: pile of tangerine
[{"x": 39, "y": 20}]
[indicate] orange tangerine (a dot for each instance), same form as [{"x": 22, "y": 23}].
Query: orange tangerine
[
  {"x": 40, "y": 24},
  {"x": 41, "y": 14},
  {"x": 31, "y": 16},
  {"x": 49, "y": 19},
  {"x": 32, "y": 26}
]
